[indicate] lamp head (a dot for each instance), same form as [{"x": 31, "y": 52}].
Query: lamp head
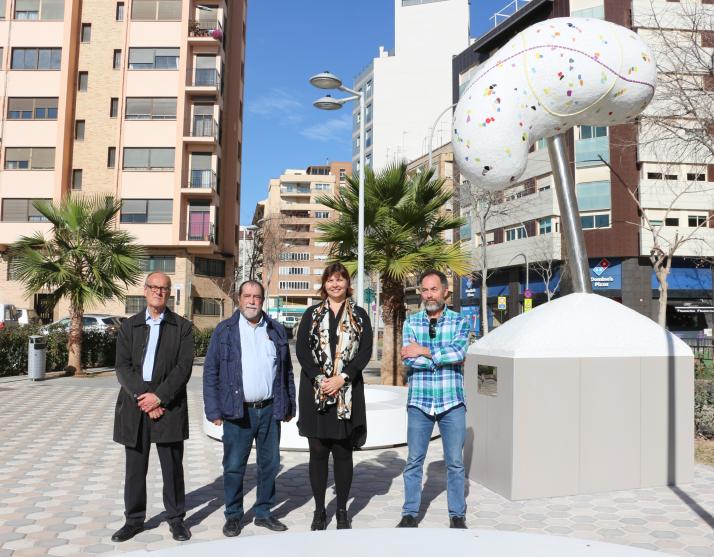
[
  {"x": 328, "y": 103},
  {"x": 326, "y": 80}
]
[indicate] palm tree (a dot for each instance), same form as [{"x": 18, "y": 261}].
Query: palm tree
[
  {"x": 86, "y": 258},
  {"x": 404, "y": 223}
]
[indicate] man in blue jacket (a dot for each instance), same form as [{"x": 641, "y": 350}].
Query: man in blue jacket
[{"x": 248, "y": 387}]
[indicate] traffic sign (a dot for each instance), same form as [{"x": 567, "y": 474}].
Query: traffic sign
[
  {"x": 527, "y": 304},
  {"x": 368, "y": 295},
  {"x": 501, "y": 302},
  {"x": 527, "y": 293}
]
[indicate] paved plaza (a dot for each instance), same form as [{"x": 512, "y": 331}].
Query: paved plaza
[{"x": 61, "y": 482}]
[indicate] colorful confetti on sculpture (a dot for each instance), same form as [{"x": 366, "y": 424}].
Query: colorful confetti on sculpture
[{"x": 556, "y": 74}]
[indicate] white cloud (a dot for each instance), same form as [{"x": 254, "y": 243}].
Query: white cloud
[
  {"x": 277, "y": 103},
  {"x": 334, "y": 129}
]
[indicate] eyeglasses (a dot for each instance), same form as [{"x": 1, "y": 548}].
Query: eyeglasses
[
  {"x": 432, "y": 327},
  {"x": 158, "y": 289}
]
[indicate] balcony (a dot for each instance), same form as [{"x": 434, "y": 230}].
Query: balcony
[
  {"x": 205, "y": 31},
  {"x": 588, "y": 151},
  {"x": 204, "y": 81},
  {"x": 202, "y": 184},
  {"x": 204, "y": 130},
  {"x": 200, "y": 233}
]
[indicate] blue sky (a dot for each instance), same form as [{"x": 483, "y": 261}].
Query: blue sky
[{"x": 289, "y": 41}]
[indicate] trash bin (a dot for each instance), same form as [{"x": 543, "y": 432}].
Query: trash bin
[{"x": 36, "y": 357}]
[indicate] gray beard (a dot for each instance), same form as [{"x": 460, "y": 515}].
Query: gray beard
[{"x": 433, "y": 306}]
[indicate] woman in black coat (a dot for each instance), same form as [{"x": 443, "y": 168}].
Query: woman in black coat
[{"x": 333, "y": 345}]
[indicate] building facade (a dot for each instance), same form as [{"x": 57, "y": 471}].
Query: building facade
[
  {"x": 293, "y": 256},
  {"x": 136, "y": 99},
  {"x": 673, "y": 192},
  {"x": 406, "y": 90}
]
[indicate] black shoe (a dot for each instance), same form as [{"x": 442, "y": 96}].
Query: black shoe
[
  {"x": 231, "y": 528},
  {"x": 319, "y": 520},
  {"x": 179, "y": 531},
  {"x": 408, "y": 521},
  {"x": 127, "y": 532},
  {"x": 457, "y": 522},
  {"x": 271, "y": 523},
  {"x": 343, "y": 521}
]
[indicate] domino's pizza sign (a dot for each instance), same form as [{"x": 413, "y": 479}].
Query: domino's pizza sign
[{"x": 605, "y": 274}]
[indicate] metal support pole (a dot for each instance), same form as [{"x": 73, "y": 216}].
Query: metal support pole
[
  {"x": 571, "y": 228},
  {"x": 431, "y": 134},
  {"x": 360, "y": 218}
]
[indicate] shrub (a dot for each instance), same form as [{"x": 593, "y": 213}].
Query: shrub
[
  {"x": 704, "y": 408},
  {"x": 98, "y": 349},
  {"x": 201, "y": 338}
]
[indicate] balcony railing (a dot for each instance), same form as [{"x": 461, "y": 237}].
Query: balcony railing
[
  {"x": 205, "y": 77},
  {"x": 204, "y": 233},
  {"x": 202, "y": 179},
  {"x": 204, "y": 126},
  {"x": 205, "y": 28}
]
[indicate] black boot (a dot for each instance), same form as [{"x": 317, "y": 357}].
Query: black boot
[
  {"x": 319, "y": 520},
  {"x": 343, "y": 522}
]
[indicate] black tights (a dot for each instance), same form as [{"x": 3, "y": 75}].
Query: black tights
[{"x": 320, "y": 450}]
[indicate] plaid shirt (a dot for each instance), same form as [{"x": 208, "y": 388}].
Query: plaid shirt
[{"x": 436, "y": 384}]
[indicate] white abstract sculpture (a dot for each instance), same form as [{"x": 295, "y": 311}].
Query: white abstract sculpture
[{"x": 550, "y": 77}]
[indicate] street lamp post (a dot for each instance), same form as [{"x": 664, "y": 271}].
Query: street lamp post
[{"x": 327, "y": 80}]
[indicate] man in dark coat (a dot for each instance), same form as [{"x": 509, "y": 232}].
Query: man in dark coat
[
  {"x": 153, "y": 365},
  {"x": 248, "y": 388}
]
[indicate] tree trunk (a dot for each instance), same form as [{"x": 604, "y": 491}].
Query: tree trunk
[
  {"x": 484, "y": 306},
  {"x": 74, "y": 342},
  {"x": 392, "y": 369},
  {"x": 661, "y": 274}
]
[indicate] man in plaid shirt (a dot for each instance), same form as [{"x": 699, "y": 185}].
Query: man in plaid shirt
[{"x": 434, "y": 349}]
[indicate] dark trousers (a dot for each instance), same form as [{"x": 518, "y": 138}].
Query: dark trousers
[
  {"x": 259, "y": 425},
  {"x": 320, "y": 450},
  {"x": 137, "y": 465}
]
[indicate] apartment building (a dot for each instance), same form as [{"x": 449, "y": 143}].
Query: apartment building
[
  {"x": 136, "y": 99},
  {"x": 523, "y": 236},
  {"x": 293, "y": 255},
  {"x": 406, "y": 89}
]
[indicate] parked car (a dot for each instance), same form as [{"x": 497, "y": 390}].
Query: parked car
[
  {"x": 27, "y": 316},
  {"x": 8, "y": 316},
  {"x": 90, "y": 322}
]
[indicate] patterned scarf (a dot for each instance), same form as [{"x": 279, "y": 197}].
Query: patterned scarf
[{"x": 349, "y": 332}]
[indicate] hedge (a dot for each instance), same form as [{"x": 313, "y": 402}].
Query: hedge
[{"x": 98, "y": 348}]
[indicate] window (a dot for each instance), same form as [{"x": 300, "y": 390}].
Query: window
[
  {"x": 120, "y": 11},
  {"x": 593, "y": 196},
  {"x": 289, "y": 256},
  {"x": 516, "y": 233},
  {"x": 79, "y": 126},
  {"x": 322, "y": 214},
  {"x": 207, "y": 306},
  {"x": 152, "y": 211},
  {"x": 294, "y": 270},
  {"x": 671, "y": 221},
  {"x": 696, "y": 220},
  {"x": 135, "y": 304},
  {"x": 32, "y": 108},
  {"x": 589, "y": 132},
  {"x": 320, "y": 258},
  {"x": 294, "y": 285},
  {"x": 654, "y": 175},
  {"x": 116, "y": 59},
  {"x": 21, "y": 210},
  {"x": 142, "y": 158},
  {"x": 671, "y": 177},
  {"x": 113, "y": 107},
  {"x": 368, "y": 113},
  {"x": 111, "y": 157},
  {"x": 209, "y": 267},
  {"x": 77, "y": 179},
  {"x": 696, "y": 177},
  {"x": 82, "y": 81},
  {"x": 12, "y": 273},
  {"x": 163, "y": 263},
  {"x": 29, "y": 158},
  {"x": 156, "y": 10},
  {"x": 33, "y": 10},
  {"x": 2, "y": 9},
  {"x": 545, "y": 225},
  {"x": 36, "y": 59},
  {"x": 321, "y": 187},
  {"x": 86, "y": 35},
  {"x": 151, "y": 108},
  {"x": 601, "y": 220},
  {"x": 153, "y": 58}
]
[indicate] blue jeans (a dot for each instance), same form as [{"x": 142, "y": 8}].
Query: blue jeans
[
  {"x": 259, "y": 425},
  {"x": 452, "y": 426}
]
